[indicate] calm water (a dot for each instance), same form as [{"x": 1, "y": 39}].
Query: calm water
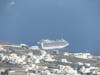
[{"x": 28, "y": 21}]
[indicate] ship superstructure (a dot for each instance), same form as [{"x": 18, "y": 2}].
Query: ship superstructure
[{"x": 53, "y": 44}]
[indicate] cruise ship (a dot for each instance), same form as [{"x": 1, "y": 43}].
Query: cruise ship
[{"x": 53, "y": 44}]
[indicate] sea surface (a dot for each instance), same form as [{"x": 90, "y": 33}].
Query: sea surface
[{"x": 28, "y": 21}]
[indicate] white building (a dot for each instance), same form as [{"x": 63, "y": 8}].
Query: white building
[{"x": 83, "y": 55}]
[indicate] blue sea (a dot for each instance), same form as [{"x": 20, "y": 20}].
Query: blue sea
[{"x": 28, "y": 21}]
